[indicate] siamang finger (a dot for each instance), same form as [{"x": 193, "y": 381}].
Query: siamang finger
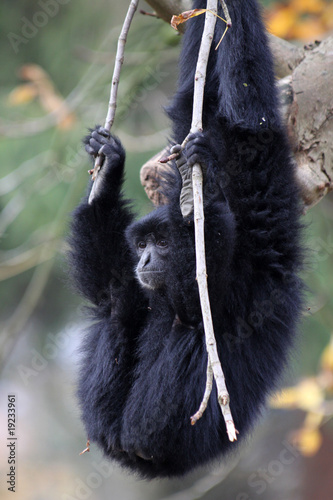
[
  {"x": 99, "y": 137},
  {"x": 190, "y": 137},
  {"x": 105, "y": 150},
  {"x": 175, "y": 149},
  {"x": 103, "y": 131},
  {"x": 191, "y": 160},
  {"x": 90, "y": 150},
  {"x": 195, "y": 141},
  {"x": 195, "y": 136},
  {"x": 96, "y": 145}
]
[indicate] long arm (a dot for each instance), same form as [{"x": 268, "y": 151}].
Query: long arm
[
  {"x": 100, "y": 259},
  {"x": 219, "y": 230},
  {"x": 240, "y": 87},
  {"x": 246, "y": 142},
  {"x": 102, "y": 266}
]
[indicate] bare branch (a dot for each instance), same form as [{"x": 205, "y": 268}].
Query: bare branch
[
  {"x": 226, "y": 13},
  {"x": 114, "y": 84},
  {"x": 206, "y": 396},
  {"x": 286, "y": 55},
  {"x": 165, "y": 9},
  {"x": 197, "y": 182},
  {"x": 118, "y": 64},
  {"x": 87, "y": 448}
]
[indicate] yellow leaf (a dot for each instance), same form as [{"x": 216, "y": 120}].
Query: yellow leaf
[
  {"x": 307, "y": 396},
  {"x": 327, "y": 17},
  {"x": 308, "y": 441},
  {"x": 281, "y": 21},
  {"x": 313, "y": 420},
  {"x": 184, "y": 16},
  {"x": 22, "y": 94},
  {"x": 307, "y": 29},
  {"x": 309, "y": 6},
  {"x": 49, "y": 98},
  {"x": 287, "y": 398}
]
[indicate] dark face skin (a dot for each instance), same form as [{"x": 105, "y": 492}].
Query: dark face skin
[{"x": 152, "y": 251}]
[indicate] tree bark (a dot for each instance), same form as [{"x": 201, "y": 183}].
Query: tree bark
[
  {"x": 165, "y": 9},
  {"x": 306, "y": 83}
]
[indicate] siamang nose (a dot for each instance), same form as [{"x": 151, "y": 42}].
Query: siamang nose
[{"x": 145, "y": 259}]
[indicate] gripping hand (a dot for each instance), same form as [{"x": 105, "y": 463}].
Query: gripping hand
[{"x": 101, "y": 142}]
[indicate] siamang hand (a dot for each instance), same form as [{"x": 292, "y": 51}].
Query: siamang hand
[
  {"x": 101, "y": 142},
  {"x": 198, "y": 150}
]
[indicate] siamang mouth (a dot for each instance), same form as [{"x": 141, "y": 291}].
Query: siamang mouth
[
  {"x": 151, "y": 279},
  {"x": 151, "y": 272}
]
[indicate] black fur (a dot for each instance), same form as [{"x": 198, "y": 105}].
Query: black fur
[{"x": 144, "y": 364}]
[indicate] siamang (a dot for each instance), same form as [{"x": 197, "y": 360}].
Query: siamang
[{"x": 144, "y": 362}]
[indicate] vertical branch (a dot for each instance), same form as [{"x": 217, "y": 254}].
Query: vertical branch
[
  {"x": 206, "y": 396},
  {"x": 115, "y": 80},
  {"x": 118, "y": 64},
  {"x": 197, "y": 181}
]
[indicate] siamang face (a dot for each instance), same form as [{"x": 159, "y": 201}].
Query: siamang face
[{"x": 152, "y": 250}]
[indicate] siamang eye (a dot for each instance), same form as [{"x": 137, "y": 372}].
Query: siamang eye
[
  {"x": 142, "y": 244},
  {"x": 162, "y": 243}
]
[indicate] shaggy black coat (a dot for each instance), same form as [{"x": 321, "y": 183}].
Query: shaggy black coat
[{"x": 144, "y": 360}]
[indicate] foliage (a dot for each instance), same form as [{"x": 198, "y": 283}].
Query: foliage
[{"x": 304, "y": 20}]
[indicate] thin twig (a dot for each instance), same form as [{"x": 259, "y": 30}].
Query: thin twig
[
  {"x": 205, "y": 399},
  {"x": 115, "y": 81},
  {"x": 197, "y": 181},
  {"x": 151, "y": 14},
  {"x": 226, "y": 13},
  {"x": 87, "y": 449},
  {"x": 118, "y": 64}
]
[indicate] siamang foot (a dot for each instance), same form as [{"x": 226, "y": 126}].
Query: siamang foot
[
  {"x": 186, "y": 194},
  {"x": 197, "y": 150}
]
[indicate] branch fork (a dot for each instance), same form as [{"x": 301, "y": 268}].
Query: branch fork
[{"x": 214, "y": 368}]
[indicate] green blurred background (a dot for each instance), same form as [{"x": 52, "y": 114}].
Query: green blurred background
[{"x": 43, "y": 173}]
